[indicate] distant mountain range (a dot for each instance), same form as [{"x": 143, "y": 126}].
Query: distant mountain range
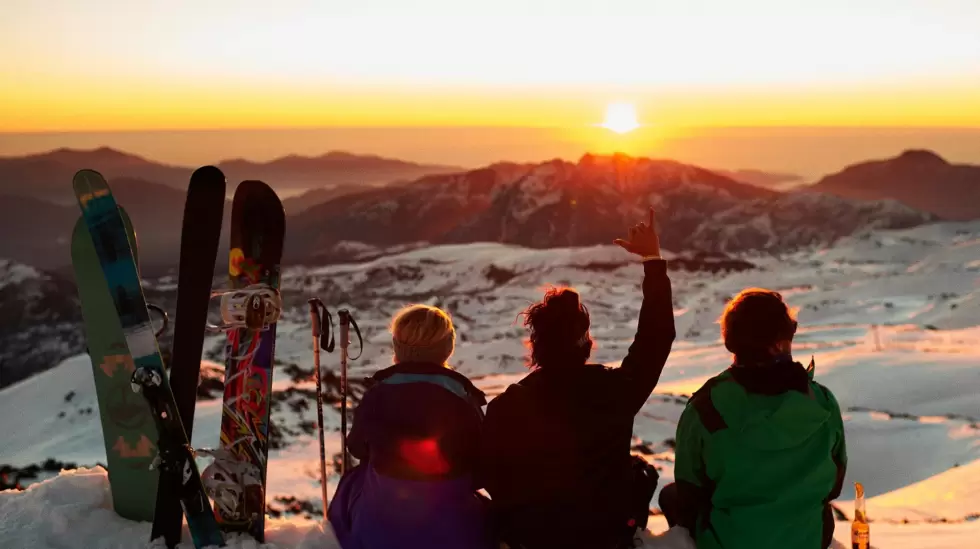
[
  {"x": 38, "y": 233},
  {"x": 46, "y": 176},
  {"x": 554, "y": 203},
  {"x": 921, "y": 179},
  {"x": 778, "y": 181},
  {"x": 560, "y": 203},
  {"x": 331, "y": 169}
]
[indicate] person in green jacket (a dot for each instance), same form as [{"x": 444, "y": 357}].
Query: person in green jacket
[{"x": 760, "y": 447}]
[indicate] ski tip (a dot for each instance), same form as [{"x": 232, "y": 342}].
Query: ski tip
[
  {"x": 87, "y": 177},
  {"x": 256, "y": 187},
  {"x": 88, "y": 172},
  {"x": 89, "y": 184},
  {"x": 253, "y": 191},
  {"x": 208, "y": 173}
]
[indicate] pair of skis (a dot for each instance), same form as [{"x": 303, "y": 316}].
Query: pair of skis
[
  {"x": 322, "y": 325},
  {"x": 104, "y": 243}
]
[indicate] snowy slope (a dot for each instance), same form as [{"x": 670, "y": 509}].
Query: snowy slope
[
  {"x": 39, "y": 320},
  {"x": 892, "y": 319}
]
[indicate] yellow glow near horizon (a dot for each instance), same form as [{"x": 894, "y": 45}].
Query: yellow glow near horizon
[
  {"x": 621, "y": 118},
  {"x": 222, "y": 64}
]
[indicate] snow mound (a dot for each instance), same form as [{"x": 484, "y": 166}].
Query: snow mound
[
  {"x": 74, "y": 509},
  {"x": 949, "y": 497}
]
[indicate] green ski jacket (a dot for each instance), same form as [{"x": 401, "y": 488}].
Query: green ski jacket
[{"x": 760, "y": 455}]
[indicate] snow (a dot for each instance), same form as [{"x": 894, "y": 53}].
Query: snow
[
  {"x": 892, "y": 319},
  {"x": 75, "y": 510},
  {"x": 12, "y": 272}
]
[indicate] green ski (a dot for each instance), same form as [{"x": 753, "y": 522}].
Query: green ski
[{"x": 127, "y": 422}]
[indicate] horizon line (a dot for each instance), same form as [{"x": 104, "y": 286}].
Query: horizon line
[
  {"x": 464, "y": 167},
  {"x": 480, "y": 127}
]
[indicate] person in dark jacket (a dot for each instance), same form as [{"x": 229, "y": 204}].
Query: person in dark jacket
[
  {"x": 760, "y": 448},
  {"x": 417, "y": 435},
  {"x": 556, "y": 454}
]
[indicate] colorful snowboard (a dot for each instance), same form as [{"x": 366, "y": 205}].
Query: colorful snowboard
[
  {"x": 127, "y": 423},
  {"x": 257, "y": 232},
  {"x": 199, "y": 237},
  {"x": 105, "y": 224}
]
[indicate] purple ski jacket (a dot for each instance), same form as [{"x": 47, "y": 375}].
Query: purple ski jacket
[{"x": 417, "y": 434}]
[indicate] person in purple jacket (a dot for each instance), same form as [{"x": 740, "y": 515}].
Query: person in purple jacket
[{"x": 417, "y": 435}]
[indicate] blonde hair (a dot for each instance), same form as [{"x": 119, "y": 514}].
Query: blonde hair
[{"x": 422, "y": 333}]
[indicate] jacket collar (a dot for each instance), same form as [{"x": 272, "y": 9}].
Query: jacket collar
[
  {"x": 424, "y": 372},
  {"x": 773, "y": 377}
]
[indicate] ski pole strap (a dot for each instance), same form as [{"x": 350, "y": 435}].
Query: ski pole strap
[
  {"x": 326, "y": 343},
  {"x": 322, "y": 324},
  {"x": 344, "y": 314}
]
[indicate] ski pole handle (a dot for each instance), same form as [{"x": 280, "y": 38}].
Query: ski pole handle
[
  {"x": 315, "y": 316},
  {"x": 344, "y": 315}
]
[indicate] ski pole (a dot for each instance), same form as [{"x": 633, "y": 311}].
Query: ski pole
[
  {"x": 344, "y": 343},
  {"x": 317, "y": 324},
  {"x": 346, "y": 322}
]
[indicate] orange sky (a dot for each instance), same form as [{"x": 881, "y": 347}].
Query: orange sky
[{"x": 116, "y": 64}]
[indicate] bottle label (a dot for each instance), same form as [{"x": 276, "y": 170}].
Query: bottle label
[{"x": 860, "y": 539}]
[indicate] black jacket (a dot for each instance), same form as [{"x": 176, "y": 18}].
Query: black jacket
[{"x": 556, "y": 446}]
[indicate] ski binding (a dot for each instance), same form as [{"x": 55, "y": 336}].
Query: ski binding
[{"x": 254, "y": 308}]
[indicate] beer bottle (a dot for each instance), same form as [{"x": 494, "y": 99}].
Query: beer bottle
[{"x": 860, "y": 530}]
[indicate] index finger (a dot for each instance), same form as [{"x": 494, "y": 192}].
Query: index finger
[{"x": 652, "y": 220}]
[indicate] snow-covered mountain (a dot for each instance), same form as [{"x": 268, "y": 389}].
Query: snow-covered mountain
[
  {"x": 40, "y": 321},
  {"x": 549, "y": 204},
  {"x": 892, "y": 318},
  {"x": 560, "y": 203}
]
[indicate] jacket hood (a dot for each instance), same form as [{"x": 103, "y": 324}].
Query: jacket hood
[{"x": 796, "y": 413}]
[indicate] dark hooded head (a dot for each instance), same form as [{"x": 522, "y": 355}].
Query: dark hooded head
[
  {"x": 757, "y": 325},
  {"x": 558, "y": 330}
]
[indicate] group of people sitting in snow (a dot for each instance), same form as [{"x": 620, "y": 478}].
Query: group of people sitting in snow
[{"x": 760, "y": 448}]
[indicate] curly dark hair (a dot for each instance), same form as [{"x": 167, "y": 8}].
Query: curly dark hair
[
  {"x": 558, "y": 329},
  {"x": 754, "y": 321}
]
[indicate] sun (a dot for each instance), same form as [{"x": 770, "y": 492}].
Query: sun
[{"x": 621, "y": 118}]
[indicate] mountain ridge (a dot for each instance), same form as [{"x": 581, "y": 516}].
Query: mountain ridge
[
  {"x": 560, "y": 203},
  {"x": 918, "y": 178},
  {"x": 545, "y": 204},
  {"x": 45, "y": 175}
]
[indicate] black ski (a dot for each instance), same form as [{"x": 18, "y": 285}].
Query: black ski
[{"x": 199, "y": 238}]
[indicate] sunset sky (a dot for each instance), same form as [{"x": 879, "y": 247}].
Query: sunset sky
[{"x": 91, "y": 65}]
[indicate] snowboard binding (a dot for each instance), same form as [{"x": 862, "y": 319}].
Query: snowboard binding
[
  {"x": 145, "y": 378},
  {"x": 253, "y": 308},
  {"x": 230, "y": 482}
]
